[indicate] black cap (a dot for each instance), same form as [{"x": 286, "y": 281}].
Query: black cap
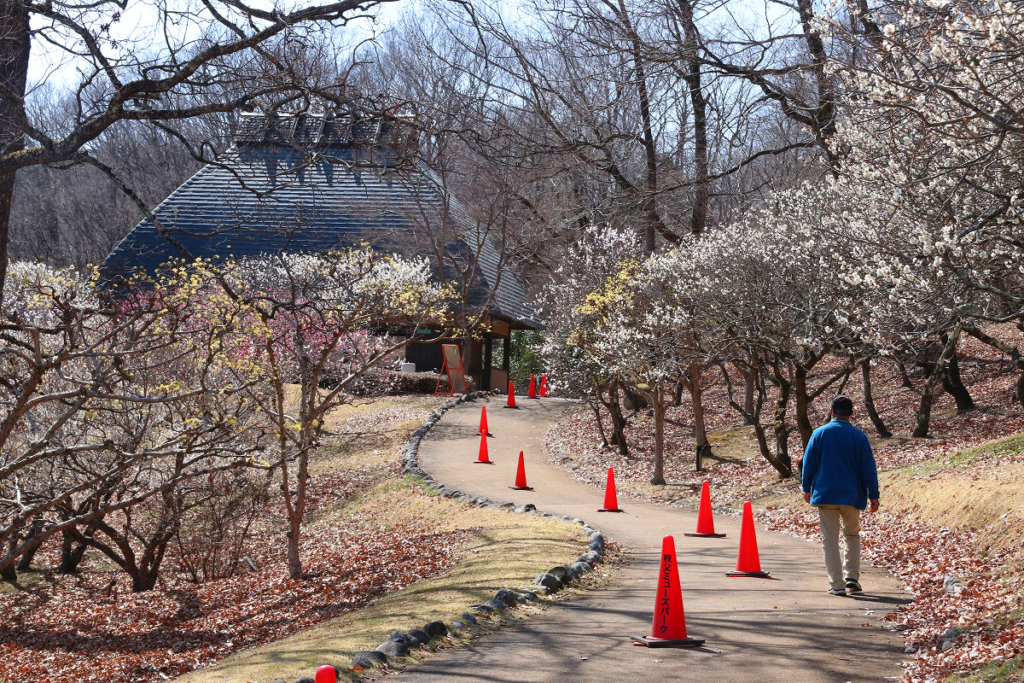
[{"x": 842, "y": 406}]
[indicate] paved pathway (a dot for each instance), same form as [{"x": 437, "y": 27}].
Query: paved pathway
[{"x": 785, "y": 629}]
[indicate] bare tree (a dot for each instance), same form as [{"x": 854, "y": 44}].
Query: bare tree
[
  {"x": 106, "y": 405},
  {"x": 172, "y": 66},
  {"x": 315, "y": 324}
]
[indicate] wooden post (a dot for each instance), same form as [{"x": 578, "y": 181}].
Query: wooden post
[{"x": 485, "y": 383}]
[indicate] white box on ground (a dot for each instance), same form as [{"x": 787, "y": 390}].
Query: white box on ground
[{"x": 408, "y": 367}]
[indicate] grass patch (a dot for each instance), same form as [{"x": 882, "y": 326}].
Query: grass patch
[
  {"x": 960, "y": 491},
  {"x": 504, "y": 549},
  {"x": 733, "y": 445},
  {"x": 991, "y": 449},
  {"x": 995, "y": 672},
  {"x": 365, "y": 433}
]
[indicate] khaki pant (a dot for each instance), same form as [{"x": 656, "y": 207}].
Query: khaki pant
[{"x": 849, "y": 565}]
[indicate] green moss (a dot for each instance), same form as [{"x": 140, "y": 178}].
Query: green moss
[
  {"x": 1005, "y": 446},
  {"x": 995, "y": 672}
]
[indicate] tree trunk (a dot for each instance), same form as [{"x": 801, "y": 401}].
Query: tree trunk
[
  {"x": 904, "y": 377},
  {"x": 618, "y": 420},
  {"x": 869, "y": 401},
  {"x": 780, "y": 428},
  {"x": 145, "y": 578},
  {"x": 658, "y": 477},
  {"x": 15, "y": 46},
  {"x": 36, "y": 532},
  {"x": 296, "y": 513},
  {"x": 649, "y": 203},
  {"x": 824, "y": 112},
  {"x": 677, "y": 396},
  {"x": 144, "y": 581},
  {"x": 8, "y": 572},
  {"x": 294, "y": 539},
  {"x": 924, "y": 411},
  {"x": 784, "y": 470},
  {"x": 1009, "y": 349},
  {"x": 71, "y": 553},
  {"x": 953, "y": 383},
  {"x": 692, "y": 76},
  {"x": 700, "y": 432},
  {"x": 748, "y": 394},
  {"x": 803, "y": 420},
  {"x": 596, "y": 407}
]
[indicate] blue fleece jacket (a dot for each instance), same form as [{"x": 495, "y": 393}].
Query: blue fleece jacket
[{"x": 839, "y": 467}]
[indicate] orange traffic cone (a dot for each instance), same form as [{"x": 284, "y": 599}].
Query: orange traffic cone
[
  {"x": 544, "y": 386},
  {"x": 521, "y": 476},
  {"x": 483, "y": 421},
  {"x": 669, "y": 627},
  {"x": 511, "y": 395},
  {"x": 748, "y": 563},
  {"x": 326, "y": 674},
  {"x": 532, "y": 393},
  {"x": 483, "y": 458},
  {"x": 611, "y": 501},
  {"x": 705, "y": 517}
]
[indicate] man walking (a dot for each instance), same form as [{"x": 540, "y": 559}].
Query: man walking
[{"x": 839, "y": 477}]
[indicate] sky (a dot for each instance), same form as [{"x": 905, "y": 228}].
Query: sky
[{"x": 138, "y": 30}]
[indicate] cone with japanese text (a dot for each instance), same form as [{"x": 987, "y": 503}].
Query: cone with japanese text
[
  {"x": 749, "y": 562},
  {"x": 483, "y": 421},
  {"x": 544, "y": 386},
  {"x": 511, "y": 403},
  {"x": 484, "y": 457},
  {"x": 705, "y": 516},
  {"x": 520, "y": 484},
  {"x": 611, "y": 501},
  {"x": 326, "y": 674},
  {"x": 532, "y": 393},
  {"x": 669, "y": 626}
]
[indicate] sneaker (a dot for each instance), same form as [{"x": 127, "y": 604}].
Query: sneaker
[
  {"x": 837, "y": 591},
  {"x": 853, "y": 586}
]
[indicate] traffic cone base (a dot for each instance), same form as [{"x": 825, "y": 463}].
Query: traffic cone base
[
  {"x": 511, "y": 403},
  {"x": 749, "y": 561},
  {"x": 648, "y": 641},
  {"x": 705, "y": 515},
  {"x": 611, "y": 499},
  {"x": 484, "y": 457},
  {"x": 668, "y": 628},
  {"x": 520, "y": 484},
  {"x": 753, "y": 575},
  {"x": 484, "y": 429}
]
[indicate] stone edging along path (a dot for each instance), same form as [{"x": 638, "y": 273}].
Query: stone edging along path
[{"x": 401, "y": 643}]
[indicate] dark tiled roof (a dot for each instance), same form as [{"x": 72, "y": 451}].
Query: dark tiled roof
[{"x": 267, "y": 196}]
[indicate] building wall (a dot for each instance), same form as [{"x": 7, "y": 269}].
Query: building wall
[{"x": 477, "y": 355}]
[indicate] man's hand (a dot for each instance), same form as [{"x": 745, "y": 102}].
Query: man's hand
[
  {"x": 874, "y": 505},
  {"x": 807, "y": 498}
]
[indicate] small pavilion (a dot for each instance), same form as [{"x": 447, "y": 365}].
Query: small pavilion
[{"x": 321, "y": 181}]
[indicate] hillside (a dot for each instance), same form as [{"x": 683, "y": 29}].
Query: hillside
[
  {"x": 381, "y": 553},
  {"x": 952, "y": 505}
]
